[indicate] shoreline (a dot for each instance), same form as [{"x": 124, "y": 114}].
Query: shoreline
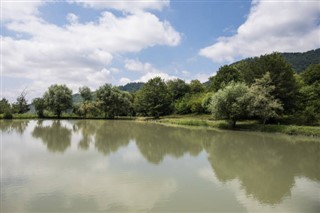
[{"x": 201, "y": 121}]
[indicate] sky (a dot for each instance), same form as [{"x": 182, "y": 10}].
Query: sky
[{"x": 90, "y": 43}]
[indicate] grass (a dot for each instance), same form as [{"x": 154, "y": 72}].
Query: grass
[
  {"x": 201, "y": 121},
  {"x": 205, "y": 121}
]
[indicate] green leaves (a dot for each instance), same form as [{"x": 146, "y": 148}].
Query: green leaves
[
  {"x": 231, "y": 103},
  {"x": 58, "y": 99},
  {"x": 153, "y": 99}
]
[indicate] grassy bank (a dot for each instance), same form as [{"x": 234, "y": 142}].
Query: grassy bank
[
  {"x": 202, "y": 121},
  {"x": 205, "y": 121}
]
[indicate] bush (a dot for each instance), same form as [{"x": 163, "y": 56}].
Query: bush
[{"x": 7, "y": 115}]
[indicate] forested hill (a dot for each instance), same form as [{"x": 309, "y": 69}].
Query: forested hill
[
  {"x": 300, "y": 61},
  {"x": 131, "y": 87}
]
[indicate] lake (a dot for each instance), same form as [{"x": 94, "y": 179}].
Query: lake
[{"x": 97, "y": 165}]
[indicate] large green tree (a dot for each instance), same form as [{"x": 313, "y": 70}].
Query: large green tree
[
  {"x": 224, "y": 76},
  {"x": 178, "y": 88},
  {"x": 310, "y": 94},
  {"x": 312, "y": 74},
  {"x": 4, "y": 106},
  {"x": 196, "y": 86},
  {"x": 264, "y": 105},
  {"x": 87, "y": 106},
  {"x": 231, "y": 103},
  {"x": 58, "y": 99},
  {"x": 113, "y": 102},
  {"x": 153, "y": 99},
  {"x": 281, "y": 73},
  {"x": 39, "y": 105}
]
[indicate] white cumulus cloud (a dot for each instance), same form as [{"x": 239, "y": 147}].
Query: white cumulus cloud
[
  {"x": 77, "y": 53},
  {"x": 147, "y": 69},
  {"x": 285, "y": 26},
  {"x": 126, "y": 6}
]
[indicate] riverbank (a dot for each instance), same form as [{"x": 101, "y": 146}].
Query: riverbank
[{"x": 204, "y": 121}]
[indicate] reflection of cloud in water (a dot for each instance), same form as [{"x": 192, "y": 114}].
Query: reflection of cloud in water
[
  {"x": 69, "y": 181},
  {"x": 131, "y": 154}
]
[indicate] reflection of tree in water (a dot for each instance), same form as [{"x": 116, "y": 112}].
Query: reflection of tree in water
[
  {"x": 156, "y": 141},
  {"x": 265, "y": 167},
  {"x": 112, "y": 135},
  {"x": 56, "y": 137},
  {"x": 87, "y": 129},
  {"x": 18, "y": 126}
]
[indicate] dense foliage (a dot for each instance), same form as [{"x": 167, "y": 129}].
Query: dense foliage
[
  {"x": 300, "y": 61},
  {"x": 264, "y": 88},
  {"x": 58, "y": 99},
  {"x": 153, "y": 99},
  {"x": 132, "y": 87}
]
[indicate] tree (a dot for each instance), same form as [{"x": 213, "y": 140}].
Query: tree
[
  {"x": 312, "y": 74},
  {"x": 310, "y": 94},
  {"x": 231, "y": 103},
  {"x": 224, "y": 76},
  {"x": 4, "y": 106},
  {"x": 281, "y": 73},
  {"x": 153, "y": 99},
  {"x": 85, "y": 93},
  {"x": 58, "y": 99},
  {"x": 104, "y": 99},
  {"x": 40, "y": 106},
  {"x": 21, "y": 106},
  {"x": 264, "y": 105},
  {"x": 177, "y": 88},
  {"x": 86, "y": 106},
  {"x": 112, "y": 101},
  {"x": 196, "y": 86}
]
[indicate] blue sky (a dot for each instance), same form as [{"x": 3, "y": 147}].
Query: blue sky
[{"x": 90, "y": 43}]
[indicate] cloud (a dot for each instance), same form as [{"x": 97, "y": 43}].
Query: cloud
[
  {"x": 270, "y": 26},
  {"x": 77, "y": 53},
  {"x": 136, "y": 65},
  {"x": 148, "y": 70},
  {"x": 17, "y": 10},
  {"x": 124, "y": 81},
  {"x": 126, "y": 6},
  {"x": 72, "y": 18}
]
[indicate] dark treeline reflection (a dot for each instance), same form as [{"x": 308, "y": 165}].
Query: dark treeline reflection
[
  {"x": 18, "y": 126},
  {"x": 266, "y": 165},
  {"x": 56, "y": 137}
]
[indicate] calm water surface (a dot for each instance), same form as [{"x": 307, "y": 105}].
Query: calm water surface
[{"x": 89, "y": 166}]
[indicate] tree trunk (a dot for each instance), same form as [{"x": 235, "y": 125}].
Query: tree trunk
[{"x": 233, "y": 124}]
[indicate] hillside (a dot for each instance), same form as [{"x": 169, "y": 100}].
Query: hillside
[
  {"x": 300, "y": 61},
  {"x": 131, "y": 87}
]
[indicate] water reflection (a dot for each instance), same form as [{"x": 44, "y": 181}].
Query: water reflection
[
  {"x": 17, "y": 126},
  {"x": 56, "y": 137},
  {"x": 155, "y": 142},
  {"x": 266, "y": 166}
]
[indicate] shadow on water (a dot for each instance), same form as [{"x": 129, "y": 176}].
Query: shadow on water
[{"x": 266, "y": 165}]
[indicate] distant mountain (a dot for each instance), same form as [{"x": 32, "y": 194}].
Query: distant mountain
[
  {"x": 131, "y": 87},
  {"x": 76, "y": 98},
  {"x": 300, "y": 61}
]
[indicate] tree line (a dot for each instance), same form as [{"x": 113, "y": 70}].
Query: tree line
[{"x": 264, "y": 88}]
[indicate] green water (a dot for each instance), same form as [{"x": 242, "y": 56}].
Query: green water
[{"x": 91, "y": 166}]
